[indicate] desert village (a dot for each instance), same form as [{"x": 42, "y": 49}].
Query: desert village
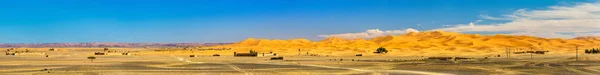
[{"x": 433, "y": 52}]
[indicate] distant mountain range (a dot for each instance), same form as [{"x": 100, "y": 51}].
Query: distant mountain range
[{"x": 10, "y": 45}]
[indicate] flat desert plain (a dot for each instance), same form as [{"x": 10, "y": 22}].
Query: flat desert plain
[{"x": 73, "y": 61}]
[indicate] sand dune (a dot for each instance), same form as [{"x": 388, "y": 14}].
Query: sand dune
[{"x": 421, "y": 43}]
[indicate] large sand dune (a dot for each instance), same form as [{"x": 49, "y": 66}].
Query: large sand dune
[{"x": 431, "y": 43}]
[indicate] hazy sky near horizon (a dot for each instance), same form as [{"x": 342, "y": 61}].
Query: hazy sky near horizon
[{"x": 183, "y": 21}]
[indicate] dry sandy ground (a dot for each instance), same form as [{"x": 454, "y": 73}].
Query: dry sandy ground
[{"x": 74, "y": 62}]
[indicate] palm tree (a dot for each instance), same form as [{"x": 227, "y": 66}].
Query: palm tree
[
  {"x": 588, "y": 51},
  {"x": 381, "y": 50}
]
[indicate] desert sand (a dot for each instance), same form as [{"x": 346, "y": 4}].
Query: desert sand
[
  {"x": 431, "y": 43},
  {"x": 74, "y": 62},
  {"x": 408, "y": 54}
]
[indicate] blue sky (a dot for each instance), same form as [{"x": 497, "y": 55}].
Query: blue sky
[{"x": 190, "y": 21}]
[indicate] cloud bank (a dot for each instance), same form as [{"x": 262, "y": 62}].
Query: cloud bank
[
  {"x": 581, "y": 19},
  {"x": 554, "y": 22},
  {"x": 371, "y": 33}
]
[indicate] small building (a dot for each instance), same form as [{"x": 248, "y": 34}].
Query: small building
[
  {"x": 541, "y": 52},
  {"x": 449, "y": 58},
  {"x": 30, "y": 53},
  {"x": 461, "y": 58},
  {"x": 359, "y": 55},
  {"x": 235, "y": 54},
  {"x": 267, "y": 54},
  {"x": 439, "y": 58},
  {"x": 113, "y": 53},
  {"x": 99, "y": 53},
  {"x": 518, "y": 52},
  {"x": 529, "y": 51},
  {"x": 533, "y": 52},
  {"x": 276, "y": 58}
]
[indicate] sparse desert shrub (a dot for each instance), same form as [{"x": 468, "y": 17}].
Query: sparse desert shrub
[
  {"x": 91, "y": 58},
  {"x": 253, "y": 52}
]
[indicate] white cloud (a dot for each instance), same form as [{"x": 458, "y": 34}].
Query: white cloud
[
  {"x": 587, "y": 34},
  {"x": 556, "y": 21},
  {"x": 493, "y": 18},
  {"x": 371, "y": 33},
  {"x": 542, "y": 34}
]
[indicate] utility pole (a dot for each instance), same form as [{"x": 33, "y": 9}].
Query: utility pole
[
  {"x": 576, "y": 53},
  {"x": 507, "y": 52},
  {"x": 299, "y": 52},
  {"x": 531, "y": 54}
]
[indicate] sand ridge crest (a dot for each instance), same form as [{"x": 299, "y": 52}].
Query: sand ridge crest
[{"x": 425, "y": 41}]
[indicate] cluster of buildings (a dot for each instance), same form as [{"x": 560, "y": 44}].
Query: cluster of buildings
[
  {"x": 254, "y": 54},
  {"x": 13, "y": 51},
  {"x": 113, "y": 52}
]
